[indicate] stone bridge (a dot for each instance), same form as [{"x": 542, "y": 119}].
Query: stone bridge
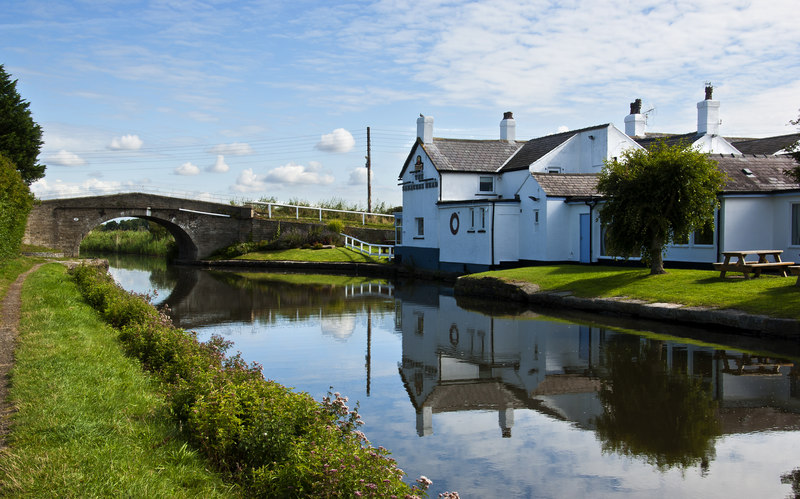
[{"x": 199, "y": 227}]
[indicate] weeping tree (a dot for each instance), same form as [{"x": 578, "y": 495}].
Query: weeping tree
[
  {"x": 794, "y": 151},
  {"x": 657, "y": 196}
]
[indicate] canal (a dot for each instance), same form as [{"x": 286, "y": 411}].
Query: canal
[{"x": 496, "y": 401}]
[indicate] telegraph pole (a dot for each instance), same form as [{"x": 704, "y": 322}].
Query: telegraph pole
[{"x": 369, "y": 175}]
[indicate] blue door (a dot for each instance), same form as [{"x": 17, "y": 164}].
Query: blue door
[{"x": 586, "y": 238}]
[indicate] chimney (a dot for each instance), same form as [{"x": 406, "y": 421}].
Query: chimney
[
  {"x": 425, "y": 129},
  {"x": 634, "y": 122},
  {"x": 508, "y": 127},
  {"x": 708, "y": 114}
]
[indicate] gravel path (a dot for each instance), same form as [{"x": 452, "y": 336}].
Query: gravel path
[{"x": 9, "y": 322}]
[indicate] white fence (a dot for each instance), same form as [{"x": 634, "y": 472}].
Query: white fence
[
  {"x": 319, "y": 211},
  {"x": 365, "y": 248}
]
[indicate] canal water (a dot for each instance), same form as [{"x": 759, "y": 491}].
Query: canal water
[{"x": 496, "y": 401}]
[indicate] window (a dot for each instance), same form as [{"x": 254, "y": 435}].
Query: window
[
  {"x": 486, "y": 184},
  {"x": 483, "y": 219},
  {"x": 795, "y": 224},
  {"x": 704, "y": 236},
  {"x": 553, "y": 169},
  {"x": 472, "y": 219},
  {"x": 536, "y": 216},
  {"x": 420, "y": 226}
]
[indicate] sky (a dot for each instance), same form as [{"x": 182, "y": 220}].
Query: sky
[{"x": 271, "y": 99}]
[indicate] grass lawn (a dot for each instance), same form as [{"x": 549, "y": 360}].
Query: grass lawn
[
  {"x": 767, "y": 295},
  {"x": 90, "y": 423},
  {"x": 313, "y": 255}
]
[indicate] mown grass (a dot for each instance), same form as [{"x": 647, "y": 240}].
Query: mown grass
[
  {"x": 90, "y": 423},
  {"x": 768, "y": 295},
  {"x": 312, "y": 255},
  {"x": 10, "y": 269}
]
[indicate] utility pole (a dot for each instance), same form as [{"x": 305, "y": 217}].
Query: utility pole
[{"x": 369, "y": 175}]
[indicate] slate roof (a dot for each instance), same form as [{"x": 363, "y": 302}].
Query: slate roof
[
  {"x": 567, "y": 184},
  {"x": 534, "y": 149},
  {"x": 767, "y": 173},
  {"x": 471, "y": 156},
  {"x": 670, "y": 139},
  {"x": 767, "y": 145}
]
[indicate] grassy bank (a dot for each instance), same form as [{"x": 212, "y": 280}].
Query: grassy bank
[
  {"x": 90, "y": 422},
  {"x": 10, "y": 269},
  {"x": 136, "y": 242},
  {"x": 272, "y": 441},
  {"x": 767, "y": 295},
  {"x": 312, "y": 255}
]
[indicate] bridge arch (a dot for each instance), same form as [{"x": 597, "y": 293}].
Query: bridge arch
[{"x": 199, "y": 227}]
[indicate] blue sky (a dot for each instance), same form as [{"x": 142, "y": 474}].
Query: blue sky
[{"x": 247, "y": 99}]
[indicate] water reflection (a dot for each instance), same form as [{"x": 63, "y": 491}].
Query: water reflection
[{"x": 513, "y": 403}]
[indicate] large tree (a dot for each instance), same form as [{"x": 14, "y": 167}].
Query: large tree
[
  {"x": 20, "y": 136},
  {"x": 657, "y": 196}
]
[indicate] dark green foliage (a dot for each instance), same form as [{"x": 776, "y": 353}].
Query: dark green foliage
[
  {"x": 20, "y": 136},
  {"x": 16, "y": 202},
  {"x": 657, "y": 196},
  {"x": 272, "y": 440},
  {"x": 794, "y": 151}
]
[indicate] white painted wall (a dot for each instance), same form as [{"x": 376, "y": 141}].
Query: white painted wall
[
  {"x": 755, "y": 222},
  {"x": 470, "y": 244},
  {"x": 506, "y": 245},
  {"x": 420, "y": 203}
]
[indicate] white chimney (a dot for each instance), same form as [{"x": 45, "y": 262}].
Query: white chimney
[
  {"x": 708, "y": 114},
  {"x": 425, "y": 129},
  {"x": 508, "y": 127},
  {"x": 635, "y": 122}
]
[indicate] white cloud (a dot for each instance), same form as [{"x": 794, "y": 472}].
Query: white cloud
[
  {"x": 293, "y": 173},
  {"x": 340, "y": 141},
  {"x": 44, "y": 189},
  {"x": 65, "y": 158},
  {"x": 249, "y": 181},
  {"x": 187, "y": 169},
  {"x": 233, "y": 149},
  {"x": 220, "y": 166},
  {"x": 358, "y": 176},
  {"x": 289, "y": 174},
  {"x": 127, "y": 142}
]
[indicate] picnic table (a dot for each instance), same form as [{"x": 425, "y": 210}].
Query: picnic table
[{"x": 740, "y": 263}]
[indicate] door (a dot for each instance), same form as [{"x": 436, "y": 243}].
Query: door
[{"x": 586, "y": 239}]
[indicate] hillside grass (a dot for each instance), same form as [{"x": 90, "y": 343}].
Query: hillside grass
[
  {"x": 90, "y": 423},
  {"x": 312, "y": 255},
  {"x": 767, "y": 295}
]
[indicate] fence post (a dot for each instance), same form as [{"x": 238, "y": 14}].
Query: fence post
[
  {"x": 269, "y": 210},
  {"x": 320, "y": 214}
]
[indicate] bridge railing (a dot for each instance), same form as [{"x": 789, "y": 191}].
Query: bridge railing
[
  {"x": 371, "y": 249},
  {"x": 275, "y": 209}
]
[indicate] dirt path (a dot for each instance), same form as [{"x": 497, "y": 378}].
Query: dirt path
[{"x": 9, "y": 323}]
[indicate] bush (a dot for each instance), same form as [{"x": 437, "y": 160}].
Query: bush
[
  {"x": 274, "y": 441},
  {"x": 16, "y": 202}
]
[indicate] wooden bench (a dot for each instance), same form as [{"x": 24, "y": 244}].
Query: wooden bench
[
  {"x": 741, "y": 265},
  {"x": 795, "y": 270}
]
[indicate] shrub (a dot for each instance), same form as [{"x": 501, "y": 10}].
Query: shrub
[
  {"x": 16, "y": 202},
  {"x": 274, "y": 441}
]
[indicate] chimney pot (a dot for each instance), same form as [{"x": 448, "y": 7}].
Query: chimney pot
[
  {"x": 635, "y": 122},
  {"x": 508, "y": 127}
]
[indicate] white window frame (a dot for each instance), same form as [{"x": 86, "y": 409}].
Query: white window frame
[
  {"x": 481, "y": 180},
  {"x": 420, "y": 223}
]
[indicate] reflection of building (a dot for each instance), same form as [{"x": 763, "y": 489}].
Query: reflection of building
[{"x": 459, "y": 360}]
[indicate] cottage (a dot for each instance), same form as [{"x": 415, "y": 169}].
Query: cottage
[{"x": 472, "y": 205}]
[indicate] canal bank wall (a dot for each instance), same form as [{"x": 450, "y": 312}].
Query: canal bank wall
[{"x": 526, "y": 292}]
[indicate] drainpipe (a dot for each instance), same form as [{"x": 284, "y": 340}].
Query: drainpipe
[
  {"x": 591, "y": 204},
  {"x": 493, "y": 207}
]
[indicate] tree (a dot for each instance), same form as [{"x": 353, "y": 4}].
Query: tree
[
  {"x": 794, "y": 151},
  {"x": 15, "y": 204},
  {"x": 657, "y": 196},
  {"x": 20, "y": 136}
]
